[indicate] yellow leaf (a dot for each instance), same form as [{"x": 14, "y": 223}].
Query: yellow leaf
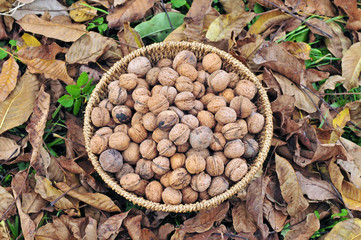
[
  {"x": 351, "y": 66},
  {"x": 341, "y": 119},
  {"x": 300, "y": 50},
  {"x": 8, "y": 77},
  {"x": 28, "y": 41},
  {"x": 177, "y": 35},
  {"x": 4, "y": 231},
  {"x": 16, "y": 109},
  {"x": 348, "y": 229},
  {"x": 266, "y": 20},
  {"x": 81, "y": 13}
]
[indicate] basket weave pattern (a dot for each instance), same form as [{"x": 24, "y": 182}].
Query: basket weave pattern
[{"x": 154, "y": 53}]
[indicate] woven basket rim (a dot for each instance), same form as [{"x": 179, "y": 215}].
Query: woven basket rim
[{"x": 265, "y": 135}]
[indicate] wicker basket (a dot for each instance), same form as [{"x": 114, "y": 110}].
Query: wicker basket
[{"x": 156, "y": 52}]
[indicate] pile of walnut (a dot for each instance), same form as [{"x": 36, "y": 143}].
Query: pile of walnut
[{"x": 178, "y": 132}]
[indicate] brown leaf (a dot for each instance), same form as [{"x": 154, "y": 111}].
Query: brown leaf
[
  {"x": 81, "y": 13},
  {"x": 3, "y": 34},
  {"x": 347, "y": 229},
  {"x": 352, "y": 11},
  {"x": 275, "y": 217},
  {"x": 318, "y": 7},
  {"x": 351, "y": 66},
  {"x": 64, "y": 32},
  {"x": 131, "y": 38},
  {"x": 352, "y": 171},
  {"x": 96, "y": 200},
  {"x": 88, "y": 48},
  {"x": 7, "y": 201},
  {"x": 131, "y": 11},
  {"x": 165, "y": 230},
  {"x": 46, "y": 52},
  {"x": 290, "y": 187},
  {"x": 353, "y": 149},
  {"x": 304, "y": 230},
  {"x": 212, "y": 234},
  {"x": 111, "y": 227},
  {"x": 206, "y": 218},
  {"x": 36, "y": 129},
  {"x": 267, "y": 3},
  {"x": 8, "y": 77},
  {"x": 32, "y": 202},
  {"x": 55, "y": 171},
  {"x": 132, "y": 224},
  {"x": 320, "y": 27},
  {"x": 19, "y": 104},
  {"x": 300, "y": 50},
  {"x": 147, "y": 234},
  {"x": 74, "y": 136},
  {"x": 266, "y": 20},
  {"x": 339, "y": 43},
  {"x": 331, "y": 83},
  {"x": 9, "y": 149},
  {"x": 315, "y": 188},
  {"x": 232, "y": 5},
  {"x": 242, "y": 220}
]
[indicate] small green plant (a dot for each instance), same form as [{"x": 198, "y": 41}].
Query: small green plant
[
  {"x": 180, "y": 3},
  {"x": 15, "y": 228},
  {"x": 77, "y": 94},
  {"x": 99, "y": 24},
  {"x": 330, "y": 223}
]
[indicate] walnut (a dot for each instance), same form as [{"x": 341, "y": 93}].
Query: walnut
[
  {"x": 202, "y": 76},
  {"x": 255, "y": 122},
  {"x": 218, "y": 185},
  {"x": 218, "y": 142},
  {"x": 149, "y": 121},
  {"x": 141, "y": 104},
  {"x": 242, "y": 105},
  {"x": 195, "y": 164},
  {"x": 130, "y": 181},
  {"x": 189, "y": 195},
  {"x": 117, "y": 95},
  {"x": 137, "y": 133},
  {"x": 159, "y": 134},
  {"x": 216, "y": 103},
  {"x": 198, "y": 106},
  {"x": 207, "y": 98},
  {"x": 236, "y": 169},
  {"x": 218, "y": 127},
  {"x": 179, "y": 112},
  {"x": 152, "y": 76},
  {"x": 243, "y": 124},
  {"x": 179, "y": 178},
  {"x": 139, "y": 66},
  {"x": 184, "y": 101},
  {"x": 148, "y": 149},
  {"x": 226, "y": 115},
  {"x": 100, "y": 116},
  {"x": 198, "y": 90},
  {"x": 168, "y": 91},
  {"x": 161, "y": 165},
  {"x": 204, "y": 195},
  {"x": 140, "y": 191},
  {"x": 251, "y": 148},
  {"x": 202, "y": 152},
  {"x": 201, "y": 137},
  {"x": 141, "y": 83},
  {"x": 164, "y": 180},
  {"x": 129, "y": 102},
  {"x": 215, "y": 165},
  {"x": 179, "y": 134},
  {"x": 221, "y": 156},
  {"x": 211, "y": 62},
  {"x": 190, "y": 120},
  {"x": 165, "y": 62},
  {"x": 184, "y": 56},
  {"x": 201, "y": 182},
  {"x": 228, "y": 94},
  {"x": 144, "y": 169},
  {"x": 127, "y": 168},
  {"x": 119, "y": 141},
  {"x": 177, "y": 160},
  {"x": 166, "y": 120},
  {"x": 128, "y": 81},
  {"x": 111, "y": 160},
  {"x": 121, "y": 114},
  {"x": 104, "y": 132},
  {"x": 234, "y": 149},
  {"x": 171, "y": 196},
  {"x": 184, "y": 84},
  {"x": 183, "y": 148},
  {"x": 219, "y": 80},
  {"x": 246, "y": 88},
  {"x": 206, "y": 118},
  {"x": 137, "y": 119},
  {"x": 105, "y": 103},
  {"x": 98, "y": 144},
  {"x": 232, "y": 131},
  {"x": 166, "y": 148},
  {"x": 167, "y": 76},
  {"x": 132, "y": 153},
  {"x": 187, "y": 70},
  {"x": 234, "y": 80},
  {"x": 153, "y": 191},
  {"x": 158, "y": 103},
  {"x": 140, "y": 92}
]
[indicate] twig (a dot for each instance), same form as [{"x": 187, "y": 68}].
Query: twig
[
  {"x": 66, "y": 139},
  {"x": 166, "y": 13},
  {"x": 62, "y": 195},
  {"x": 337, "y": 94}
]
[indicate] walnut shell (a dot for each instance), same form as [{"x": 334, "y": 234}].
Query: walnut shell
[
  {"x": 152, "y": 76},
  {"x": 234, "y": 149},
  {"x": 206, "y": 118},
  {"x": 177, "y": 160},
  {"x": 198, "y": 90},
  {"x": 179, "y": 112},
  {"x": 236, "y": 169},
  {"x": 140, "y": 191},
  {"x": 137, "y": 133},
  {"x": 183, "y": 148},
  {"x": 111, "y": 160},
  {"x": 127, "y": 168},
  {"x": 190, "y": 120},
  {"x": 119, "y": 141},
  {"x": 128, "y": 81},
  {"x": 130, "y": 181},
  {"x": 246, "y": 88},
  {"x": 139, "y": 66},
  {"x": 144, "y": 169},
  {"x": 129, "y": 102},
  {"x": 105, "y": 103},
  {"x": 141, "y": 104},
  {"x": 204, "y": 195},
  {"x": 215, "y": 165},
  {"x": 179, "y": 178},
  {"x": 201, "y": 137},
  {"x": 100, "y": 116},
  {"x": 255, "y": 123},
  {"x": 188, "y": 71},
  {"x": 166, "y": 120},
  {"x": 166, "y": 148},
  {"x": 121, "y": 114},
  {"x": 184, "y": 101},
  {"x": 141, "y": 83},
  {"x": 232, "y": 131},
  {"x": 153, "y": 191},
  {"x": 242, "y": 105},
  {"x": 218, "y": 185},
  {"x": 117, "y": 95},
  {"x": 211, "y": 62},
  {"x": 202, "y": 152},
  {"x": 226, "y": 115},
  {"x": 141, "y": 91},
  {"x": 137, "y": 119},
  {"x": 148, "y": 149},
  {"x": 179, "y": 134},
  {"x": 234, "y": 80},
  {"x": 164, "y": 62},
  {"x": 158, "y": 103},
  {"x": 98, "y": 144},
  {"x": 207, "y": 98},
  {"x": 218, "y": 142},
  {"x": 167, "y": 76},
  {"x": 189, "y": 195},
  {"x": 164, "y": 180},
  {"x": 202, "y": 76},
  {"x": 149, "y": 121},
  {"x": 228, "y": 94},
  {"x": 171, "y": 196},
  {"x": 201, "y": 182},
  {"x": 161, "y": 165},
  {"x": 216, "y": 103},
  {"x": 184, "y": 56},
  {"x": 195, "y": 164},
  {"x": 198, "y": 106},
  {"x": 159, "y": 134},
  {"x": 168, "y": 91},
  {"x": 251, "y": 148},
  {"x": 132, "y": 153},
  {"x": 184, "y": 84},
  {"x": 219, "y": 80},
  {"x": 104, "y": 132}
]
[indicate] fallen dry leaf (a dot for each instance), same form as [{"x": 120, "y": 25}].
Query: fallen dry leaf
[
  {"x": 9, "y": 149},
  {"x": 132, "y": 224},
  {"x": 75, "y": 138},
  {"x": 36, "y": 127},
  {"x": 266, "y": 20},
  {"x": 347, "y": 229},
  {"x": 4, "y": 231},
  {"x": 233, "y": 5},
  {"x": 177, "y": 35},
  {"x": 32, "y": 202},
  {"x": 147, "y": 234},
  {"x": 46, "y": 52},
  {"x": 165, "y": 230},
  {"x": 353, "y": 172},
  {"x": 212, "y": 234},
  {"x": 27, "y": 40},
  {"x": 300, "y": 50},
  {"x": 351, "y": 66},
  {"x": 88, "y": 48},
  {"x": 131, "y": 38},
  {"x": 318, "y": 7},
  {"x": 242, "y": 220},
  {"x": 304, "y": 230},
  {"x": 352, "y": 11},
  {"x": 111, "y": 227},
  {"x": 64, "y": 32},
  {"x": 275, "y": 217},
  {"x": 7, "y": 201},
  {"x": 40, "y": 7},
  {"x": 19, "y": 104},
  {"x": 8, "y": 77},
  {"x": 290, "y": 187},
  {"x": 81, "y": 13},
  {"x": 339, "y": 43},
  {"x": 331, "y": 83}
]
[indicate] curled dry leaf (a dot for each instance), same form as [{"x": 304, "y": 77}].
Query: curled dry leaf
[
  {"x": 40, "y": 7},
  {"x": 7, "y": 201},
  {"x": 4, "y": 231},
  {"x": 132, "y": 224},
  {"x": 165, "y": 230},
  {"x": 242, "y": 220},
  {"x": 233, "y": 5},
  {"x": 46, "y": 52},
  {"x": 275, "y": 217},
  {"x": 353, "y": 172},
  {"x": 177, "y": 35},
  {"x": 81, "y": 13},
  {"x": 351, "y": 66},
  {"x": 352, "y": 11},
  {"x": 64, "y": 32},
  {"x": 212, "y": 234},
  {"x": 131, "y": 38},
  {"x": 8, "y": 77},
  {"x": 36, "y": 129},
  {"x": 111, "y": 227},
  {"x": 19, "y": 104},
  {"x": 266, "y": 20},
  {"x": 305, "y": 229},
  {"x": 290, "y": 187},
  {"x": 32, "y": 202},
  {"x": 339, "y": 43},
  {"x": 347, "y": 229},
  {"x": 300, "y": 50},
  {"x": 331, "y": 83},
  {"x": 9, "y": 149}
]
